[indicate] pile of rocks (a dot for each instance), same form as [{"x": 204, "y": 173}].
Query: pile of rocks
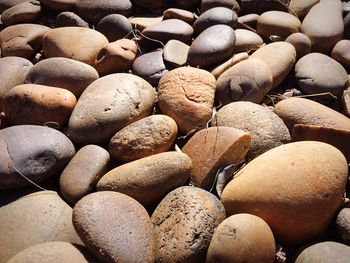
[{"x": 174, "y": 131}]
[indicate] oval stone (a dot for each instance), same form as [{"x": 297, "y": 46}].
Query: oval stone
[
  {"x": 247, "y": 40},
  {"x": 114, "y": 27},
  {"x": 218, "y": 70},
  {"x": 319, "y": 73},
  {"x": 186, "y": 217},
  {"x": 81, "y": 175},
  {"x": 108, "y": 105},
  {"x": 38, "y": 104},
  {"x": 187, "y": 95},
  {"x": 148, "y": 179},
  {"x": 150, "y": 135},
  {"x": 63, "y": 73},
  {"x": 6, "y": 4},
  {"x": 341, "y": 53},
  {"x": 301, "y": 43},
  {"x": 343, "y": 225},
  {"x": 25, "y": 12},
  {"x": 181, "y": 14},
  {"x": 66, "y": 19},
  {"x": 33, "y": 219},
  {"x": 175, "y": 53},
  {"x": 36, "y": 152},
  {"x": 301, "y": 7},
  {"x": 212, "y": 46},
  {"x": 115, "y": 227}
]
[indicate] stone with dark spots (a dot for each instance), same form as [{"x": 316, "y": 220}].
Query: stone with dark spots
[{"x": 114, "y": 27}]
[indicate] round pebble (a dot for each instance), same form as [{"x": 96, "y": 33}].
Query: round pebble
[
  {"x": 341, "y": 53},
  {"x": 343, "y": 225},
  {"x": 67, "y": 19},
  {"x": 114, "y": 27},
  {"x": 301, "y": 43},
  {"x": 175, "y": 53},
  {"x": 247, "y": 41}
]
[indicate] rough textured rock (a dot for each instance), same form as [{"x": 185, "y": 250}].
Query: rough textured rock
[
  {"x": 110, "y": 236},
  {"x": 301, "y": 43},
  {"x": 26, "y": 12},
  {"x": 187, "y": 95},
  {"x": 184, "y": 223},
  {"x": 114, "y": 27},
  {"x": 148, "y": 179},
  {"x": 150, "y": 135},
  {"x": 247, "y": 40}
]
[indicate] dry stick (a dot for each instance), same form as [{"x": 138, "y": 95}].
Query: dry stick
[
  {"x": 151, "y": 39},
  {"x": 30, "y": 181}
]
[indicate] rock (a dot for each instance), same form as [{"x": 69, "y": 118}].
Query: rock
[
  {"x": 150, "y": 135},
  {"x": 33, "y": 219},
  {"x": 346, "y": 102},
  {"x": 55, "y": 251},
  {"x": 301, "y": 43},
  {"x": 341, "y": 53},
  {"x": 186, "y": 217},
  {"x": 114, "y": 27},
  {"x": 6, "y": 4},
  {"x": 187, "y": 95},
  {"x": 13, "y": 71},
  {"x": 108, "y": 105},
  {"x": 347, "y": 26},
  {"x": 280, "y": 56},
  {"x": 242, "y": 233},
  {"x": 249, "y": 20},
  {"x": 68, "y": 19},
  {"x": 343, "y": 225},
  {"x": 176, "y": 53},
  {"x": 81, "y": 175},
  {"x": 318, "y": 73},
  {"x": 94, "y": 10},
  {"x": 261, "y": 6},
  {"x": 266, "y": 128},
  {"x": 324, "y": 33},
  {"x": 300, "y": 8},
  {"x": 79, "y": 43},
  {"x": 150, "y": 66},
  {"x": 217, "y": 71},
  {"x": 277, "y": 23},
  {"x": 214, "y": 45},
  {"x": 148, "y": 179},
  {"x": 110, "y": 236},
  {"x": 215, "y": 16},
  {"x": 34, "y": 151},
  {"x": 38, "y": 104},
  {"x": 116, "y": 57},
  {"x": 25, "y": 12},
  {"x": 186, "y": 4},
  {"x": 22, "y": 40},
  {"x": 283, "y": 187},
  {"x": 60, "y": 5},
  {"x": 325, "y": 252},
  {"x": 213, "y": 149},
  {"x": 248, "y": 80},
  {"x": 304, "y": 111},
  {"x": 150, "y": 4},
  {"x": 176, "y": 13},
  {"x": 247, "y": 41},
  {"x": 141, "y": 22},
  {"x": 64, "y": 73},
  {"x": 208, "y": 4}
]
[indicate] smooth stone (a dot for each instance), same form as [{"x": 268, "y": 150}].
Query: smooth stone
[
  {"x": 150, "y": 4},
  {"x": 184, "y": 223},
  {"x": 208, "y": 4},
  {"x": 151, "y": 135},
  {"x": 13, "y": 72},
  {"x": 150, "y": 66},
  {"x": 277, "y": 23},
  {"x": 63, "y": 73},
  {"x": 115, "y": 228},
  {"x": 319, "y": 73},
  {"x": 175, "y": 53},
  {"x": 6, "y": 4},
  {"x": 108, "y": 105},
  {"x": 247, "y": 41},
  {"x": 35, "y": 218},
  {"x": 37, "y": 152},
  {"x": 176, "y": 13},
  {"x": 301, "y": 43},
  {"x": 38, "y": 104},
  {"x": 300, "y": 8},
  {"x": 82, "y": 173},
  {"x": 186, "y": 4},
  {"x": 343, "y": 225},
  {"x": 114, "y": 27},
  {"x": 60, "y": 5},
  {"x": 22, "y": 40},
  {"x": 341, "y": 53},
  {"x": 243, "y": 234},
  {"x": 217, "y": 71},
  {"x": 250, "y": 20},
  {"x": 304, "y": 111},
  {"x": 214, "y": 45},
  {"x": 116, "y": 57},
  {"x": 266, "y": 128},
  {"x": 55, "y": 251},
  {"x": 280, "y": 57},
  {"x": 68, "y": 19},
  {"x": 324, "y": 33},
  {"x": 261, "y": 6},
  {"x": 79, "y": 43},
  {"x": 347, "y": 26},
  {"x": 186, "y": 94},
  {"x": 140, "y": 22},
  {"x": 248, "y": 80},
  {"x": 325, "y": 252},
  {"x": 212, "y": 149},
  {"x": 26, "y": 12},
  {"x": 149, "y": 179},
  {"x": 215, "y": 16},
  {"x": 345, "y": 100},
  {"x": 94, "y": 10}
]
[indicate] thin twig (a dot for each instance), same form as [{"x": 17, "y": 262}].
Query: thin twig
[{"x": 30, "y": 181}]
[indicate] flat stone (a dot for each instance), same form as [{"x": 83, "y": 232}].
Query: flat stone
[
  {"x": 114, "y": 27},
  {"x": 66, "y": 19},
  {"x": 140, "y": 22},
  {"x": 176, "y": 13},
  {"x": 249, "y": 20},
  {"x": 217, "y": 71},
  {"x": 26, "y": 12},
  {"x": 176, "y": 53}
]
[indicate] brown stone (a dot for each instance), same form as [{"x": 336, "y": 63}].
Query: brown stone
[
  {"x": 247, "y": 41},
  {"x": 176, "y": 53},
  {"x": 300, "y": 8},
  {"x": 249, "y": 20},
  {"x": 176, "y": 13},
  {"x": 6, "y": 4},
  {"x": 343, "y": 225},
  {"x": 301, "y": 43},
  {"x": 140, "y": 22},
  {"x": 114, "y": 27},
  {"x": 66, "y": 19},
  {"x": 25, "y": 12},
  {"x": 217, "y": 71},
  {"x": 346, "y": 102},
  {"x": 341, "y": 53}
]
